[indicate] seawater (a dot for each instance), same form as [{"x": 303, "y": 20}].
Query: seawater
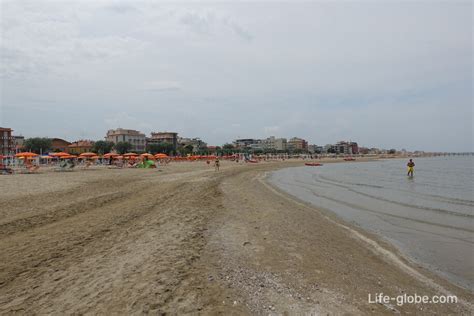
[{"x": 428, "y": 217}]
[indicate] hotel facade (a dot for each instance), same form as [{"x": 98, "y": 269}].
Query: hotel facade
[
  {"x": 133, "y": 137},
  {"x": 7, "y": 143}
]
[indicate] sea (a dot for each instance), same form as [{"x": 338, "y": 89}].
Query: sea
[{"x": 429, "y": 217}]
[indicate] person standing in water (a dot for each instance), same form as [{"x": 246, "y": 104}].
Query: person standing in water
[{"x": 410, "y": 166}]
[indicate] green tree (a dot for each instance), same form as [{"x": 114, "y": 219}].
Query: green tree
[
  {"x": 228, "y": 149},
  {"x": 188, "y": 149},
  {"x": 102, "y": 147},
  {"x": 392, "y": 151},
  {"x": 162, "y": 148},
  {"x": 122, "y": 147},
  {"x": 38, "y": 145},
  {"x": 153, "y": 148}
]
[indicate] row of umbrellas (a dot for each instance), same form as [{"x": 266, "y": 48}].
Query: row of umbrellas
[{"x": 90, "y": 155}]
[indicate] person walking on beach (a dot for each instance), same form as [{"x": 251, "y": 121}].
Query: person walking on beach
[
  {"x": 410, "y": 166},
  {"x": 216, "y": 164}
]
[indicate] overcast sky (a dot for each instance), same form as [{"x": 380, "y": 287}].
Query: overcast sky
[{"x": 391, "y": 74}]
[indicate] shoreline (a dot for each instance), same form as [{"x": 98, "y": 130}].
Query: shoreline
[
  {"x": 400, "y": 251},
  {"x": 383, "y": 247},
  {"x": 187, "y": 240}
]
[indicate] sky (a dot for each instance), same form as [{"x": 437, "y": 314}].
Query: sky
[{"x": 388, "y": 74}]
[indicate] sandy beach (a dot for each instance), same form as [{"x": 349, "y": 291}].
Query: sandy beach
[{"x": 186, "y": 239}]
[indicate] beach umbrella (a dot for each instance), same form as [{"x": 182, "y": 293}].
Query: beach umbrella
[
  {"x": 94, "y": 157},
  {"x": 59, "y": 155},
  {"x": 69, "y": 157},
  {"x": 87, "y": 155},
  {"x": 149, "y": 156},
  {"x": 118, "y": 157},
  {"x": 26, "y": 154},
  {"x": 107, "y": 156},
  {"x": 130, "y": 155},
  {"x": 46, "y": 157},
  {"x": 161, "y": 156}
]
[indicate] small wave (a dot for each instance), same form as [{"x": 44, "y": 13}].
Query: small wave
[
  {"x": 438, "y": 198},
  {"x": 439, "y": 210},
  {"x": 359, "y": 207}
]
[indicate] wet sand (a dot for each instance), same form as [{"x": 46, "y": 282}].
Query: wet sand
[{"x": 190, "y": 240}]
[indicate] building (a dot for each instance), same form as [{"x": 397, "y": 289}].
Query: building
[
  {"x": 81, "y": 146},
  {"x": 197, "y": 143},
  {"x": 136, "y": 139},
  {"x": 257, "y": 146},
  {"x": 164, "y": 137},
  {"x": 296, "y": 143},
  {"x": 7, "y": 144},
  {"x": 272, "y": 143},
  {"x": 246, "y": 143},
  {"x": 19, "y": 143},
  {"x": 346, "y": 148},
  {"x": 315, "y": 149},
  {"x": 58, "y": 144}
]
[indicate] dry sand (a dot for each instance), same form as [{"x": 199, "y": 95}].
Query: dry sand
[{"x": 187, "y": 239}]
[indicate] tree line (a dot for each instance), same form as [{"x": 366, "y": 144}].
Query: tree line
[{"x": 42, "y": 145}]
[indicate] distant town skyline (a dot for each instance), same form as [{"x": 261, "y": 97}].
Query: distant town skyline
[{"x": 385, "y": 74}]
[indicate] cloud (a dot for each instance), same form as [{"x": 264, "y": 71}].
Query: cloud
[
  {"x": 322, "y": 71},
  {"x": 211, "y": 23},
  {"x": 35, "y": 42},
  {"x": 125, "y": 120},
  {"x": 271, "y": 130},
  {"x": 161, "y": 86}
]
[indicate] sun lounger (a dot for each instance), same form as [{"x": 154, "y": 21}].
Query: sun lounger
[
  {"x": 65, "y": 166},
  {"x": 5, "y": 170}
]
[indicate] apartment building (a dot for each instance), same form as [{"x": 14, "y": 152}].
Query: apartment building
[
  {"x": 296, "y": 143},
  {"x": 346, "y": 148},
  {"x": 164, "y": 137},
  {"x": 197, "y": 143},
  {"x": 7, "y": 144},
  {"x": 272, "y": 143},
  {"x": 136, "y": 139}
]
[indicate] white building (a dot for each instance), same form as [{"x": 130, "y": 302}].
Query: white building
[
  {"x": 273, "y": 143},
  {"x": 133, "y": 137}
]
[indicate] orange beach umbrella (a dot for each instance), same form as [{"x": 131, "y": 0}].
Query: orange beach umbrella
[
  {"x": 130, "y": 155},
  {"x": 26, "y": 154},
  {"x": 149, "y": 156},
  {"x": 87, "y": 155},
  {"x": 59, "y": 155},
  {"x": 110, "y": 155}
]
